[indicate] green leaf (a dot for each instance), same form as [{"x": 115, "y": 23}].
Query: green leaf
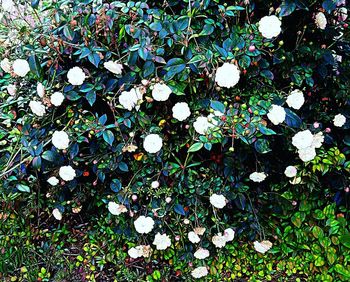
[
  {"x": 91, "y": 97},
  {"x": 195, "y": 147},
  {"x": 35, "y": 66},
  {"x": 68, "y": 32},
  {"x": 207, "y": 30},
  {"x": 264, "y": 130},
  {"x": 292, "y": 119},
  {"x": 95, "y": 59},
  {"x": 49, "y": 156},
  {"x": 262, "y": 146},
  {"x": 218, "y": 106},
  {"x": 156, "y": 26},
  {"x": 23, "y": 188},
  {"x": 196, "y": 59},
  {"x": 173, "y": 67},
  {"x": 345, "y": 240},
  {"x": 108, "y": 136}
]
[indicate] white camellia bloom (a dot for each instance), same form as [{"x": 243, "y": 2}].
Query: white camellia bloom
[
  {"x": 57, "y": 214},
  {"x": 270, "y": 26},
  {"x": 193, "y": 237},
  {"x": 318, "y": 140},
  {"x": 37, "y": 108},
  {"x": 290, "y": 171},
  {"x": 40, "y": 90},
  {"x": 161, "y": 241},
  {"x": 144, "y": 225},
  {"x": 155, "y": 184},
  {"x": 303, "y": 139},
  {"x": 339, "y": 120},
  {"x": 161, "y": 92},
  {"x": 295, "y": 99},
  {"x": 227, "y": 75},
  {"x": 76, "y": 76},
  {"x": 130, "y": 99},
  {"x": 60, "y": 140},
  {"x": 263, "y": 246},
  {"x": 8, "y": 5},
  {"x": 229, "y": 234},
  {"x": 201, "y": 125},
  {"x": 257, "y": 176},
  {"x": 320, "y": 20},
  {"x": 277, "y": 114},
  {"x": 140, "y": 251},
  {"x": 153, "y": 143},
  {"x": 199, "y": 272},
  {"x": 113, "y": 67},
  {"x": 20, "y": 67},
  {"x": 307, "y": 154},
  {"x": 116, "y": 209},
  {"x": 11, "y": 89},
  {"x": 181, "y": 111},
  {"x": 53, "y": 180},
  {"x": 5, "y": 64},
  {"x": 201, "y": 253},
  {"x": 218, "y": 201},
  {"x": 67, "y": 173},
  {"x": 57, "y": 99},
  {"x": 219, "y": 240}
]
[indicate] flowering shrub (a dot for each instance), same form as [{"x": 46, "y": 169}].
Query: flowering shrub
[{"x": 191, "y": 122}]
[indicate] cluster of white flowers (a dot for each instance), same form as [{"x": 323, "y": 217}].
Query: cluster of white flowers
[
  {"x": 227, "y": 75},
  {"x": 116, "y": 209},
  {"x": 257, "y": 176},
  {"x": 306, "y": 143},
  {"x": 220, "y": 239},
  {"x": 270, "y": 26},
  {"x": 143, "y": 224},
  {"x": 218, "y": 201}
]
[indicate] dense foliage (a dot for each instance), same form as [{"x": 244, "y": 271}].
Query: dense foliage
[{"x": 183, "y": 130}]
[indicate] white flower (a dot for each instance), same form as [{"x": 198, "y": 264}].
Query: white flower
[
  {"x": 40, "y": 90},
  {"x": 5, "y": 64},
  {"x": 227, "y": 75},
  {"x": 155, "y": 184},
  {"x": 130, "y": 99},
  {"x": 277, "y": 114},
  {"x": 317, "y": 140},
  {"x": 257, "y": 176},
  {"x": 162, "y": 241},
  {"x": 8, "y": 5},
  {"x": 60, "y": 140},
  {"x": 193, "y": 237},
  {"x": 201, "y": 253},
  {"x": 199, "y": 272},
  {"x": 199, "y": 230},
  {"x": 57, "y": 214},
  {"x": 144, "y": 225},
  {"x": 263, "y": 246},
  {"x": 201, "y": 125},
  {"x": 291, "y": 171},
  {"x": 67, "y": 173},
  {"x": 181, "y": 111},
  {"x": 76, "y": 76},
  {"x": 295, "y": 180},
  {"x": 320, "y": 20},
  {"x": 57, "y": 99},
  {"x": 219, "y": 240},
  {"x": 270, "y": 26},
  {"x": 11, "y": 89},
  {"x": 229, "y": 234},
  {"x": 153, "y": 143},
  {"x": 161, "y": 92},
  {"x": 116, "y": 209},
  {"x": 21, "y": 67},
  {"x": 37, "y": 108},
  {"x": 136, "y": 252},
  {"x": 295, "y": 99},
  {"x": 339, "y": 120},
  {"x": 113, "y": 67},
  {"x": 53, "y": 181},
  {"x": 218, "y": 201},
  {"x": 307, "y": 154},
  {"x": 303, "y": 139}
]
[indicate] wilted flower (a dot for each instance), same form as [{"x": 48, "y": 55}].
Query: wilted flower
[
  {"x": 116, "y": 209},
  {"x": 130, "y": 99},
  {"x": 57, "y": 214},
  {"x": 11, "y": 89},
  {"x": 219, "y": 240},
  {"x": 227, "y": 75},
  {"x": 5, "y": 64}
]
